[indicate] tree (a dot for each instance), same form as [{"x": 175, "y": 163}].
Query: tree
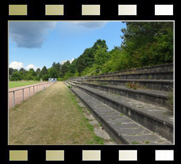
[
  {"x": 45, "y": 77},
  {"x": 22, "y": 73},
  {"x": 44, "y": 71},
  {"x": 56, "y": 67},
  {"x": 73, "y": 67},
  {"x": 15, "y": 76},
  {"x": 32, "y": 72},
  {"x": 100, "y": 44},
  {"x": 38, "y": 70},
  {"x": 11, "y": 70},
  {"x": 101, "y": 56},
  {"x": 52, "y": 72},
  {"x": 148, "y": 43},
  {"x": 65, "y": 67},
  {"x": 87, "y": 59}
]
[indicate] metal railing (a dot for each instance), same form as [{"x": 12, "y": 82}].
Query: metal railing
[{"x": 25, "y": 93}]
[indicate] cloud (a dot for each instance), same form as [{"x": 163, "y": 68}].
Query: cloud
[
  {"x": 16, "y": 65},
  {"x": 31, "y": 66},
  {"x": 90, "y": 24},
  {"x": 66, "y": 61},
  {"x": 29, "y": 34}
]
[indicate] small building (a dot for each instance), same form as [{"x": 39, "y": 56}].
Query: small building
[{"x": 52, "y": 79}]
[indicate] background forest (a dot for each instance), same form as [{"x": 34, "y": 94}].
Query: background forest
[{"x": 144, "y": 44}]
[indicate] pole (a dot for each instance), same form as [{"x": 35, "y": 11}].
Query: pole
[
  {"x": 23, "y": 94},
  {"x": 13, "y": 98},
  {"x": 29, "y": 92}
]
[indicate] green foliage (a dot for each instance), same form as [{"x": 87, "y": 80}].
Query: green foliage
[
  {"x": 38, "y": 71},
  {"x": 65, "y": 68},
  {"x": 69, "y": 86},
  {"x": 135, "y": 142},
  {"x": 146, "y": 142},
  {"x": 45, "y": 77},
  {"x": 11, "y": 70},
  {"x": 148, "y": 43},
  {"x": 143, "y": 44},
  {"x": 101, "y": 56},
  {"x": 44, "y": 71},
  {"x": 52, "y": 72},
  {"x": 15, "y": 76},
  {"x": 59, "y": 79}
]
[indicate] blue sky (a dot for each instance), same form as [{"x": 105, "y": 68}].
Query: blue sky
[{"x": 38, "y": 44}]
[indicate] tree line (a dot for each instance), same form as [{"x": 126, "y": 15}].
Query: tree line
[{"x": 143, "y": 44}]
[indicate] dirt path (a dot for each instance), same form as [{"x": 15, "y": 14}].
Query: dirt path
[{"x": 50, "y": 117}]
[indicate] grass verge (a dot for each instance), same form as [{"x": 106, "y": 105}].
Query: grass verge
[
  {"x": 13, "y": 84},
  {"x": 51, "y": 117}
]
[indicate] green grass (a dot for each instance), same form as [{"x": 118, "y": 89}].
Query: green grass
[
  {"x": 53, "y": 117},
  {"x": 95, "y": 139},
  {"x": 118, "y": 123},
  {"x": 170, "y": 100},
  {"x": 146, "y": 142},
  {"x": 69, "y": 86},
  {"x": 135, "y": 142},
  {"x": 13, "y": 84}
]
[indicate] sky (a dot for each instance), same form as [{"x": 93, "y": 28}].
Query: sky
[{"x": 34, "y": 44}]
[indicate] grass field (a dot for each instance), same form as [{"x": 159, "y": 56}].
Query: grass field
[
  {"x": 13, "y": 84},
  {"x": 51, "y": 116}
]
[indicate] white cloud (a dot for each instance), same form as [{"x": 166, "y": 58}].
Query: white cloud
[
  {"x": 30, "y": 34},
  {"x": 90, "y": 24},
  {"x": 16, "y": 65},
  {"x": 71, "y": 60},
  {"x": 62, "y": 62},
  {"x": 31, "y": 66}
]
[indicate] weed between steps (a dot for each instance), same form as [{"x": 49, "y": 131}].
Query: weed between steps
[{"x": 170, "y": 100}]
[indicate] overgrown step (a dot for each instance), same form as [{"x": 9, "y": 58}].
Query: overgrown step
[
  {"x": 164, "y": 85},
  {"x": 148, "y": 69},
  {"x": 157, "y": 119},
  {"x": 148, "y": 75},
  {"x": 150, "y": 96},
  {"x": 123, "y": 129}
]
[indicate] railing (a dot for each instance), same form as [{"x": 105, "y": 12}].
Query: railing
[{"x": 25, "y": 93}]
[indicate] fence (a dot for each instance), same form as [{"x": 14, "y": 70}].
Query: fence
[{"x": 18, "y": 95}]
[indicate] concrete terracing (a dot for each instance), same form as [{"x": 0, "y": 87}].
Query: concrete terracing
[{"x": 131, "y": 116}]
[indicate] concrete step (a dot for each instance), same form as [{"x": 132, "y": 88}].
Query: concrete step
[
  {"x": 123, "y": 129},
  {"x": 164, "y": 85},
  {"x": 148, "y": 69},
  {"x": 155, "y": 97},
  {"x": 148, "y": 75},
  {"x": 157, "y": 119}
]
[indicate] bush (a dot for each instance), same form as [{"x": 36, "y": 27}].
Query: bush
[
  {"x": 37, "y": 78},
  {"x": 59, "y": 79},
  {"x": 45, "y": 77},
  {"x": 69, "y": 86}
]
